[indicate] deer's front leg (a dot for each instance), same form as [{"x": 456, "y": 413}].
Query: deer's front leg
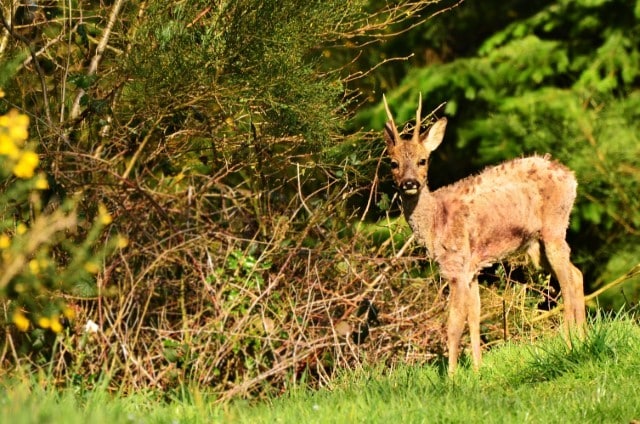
[{"x": 459, "y": 293}]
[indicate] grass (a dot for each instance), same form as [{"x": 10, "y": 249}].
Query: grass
[{"x": 596, "y": 381}]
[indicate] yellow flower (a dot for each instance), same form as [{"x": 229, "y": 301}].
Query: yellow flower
[
  {"x": 122, "y": 242},
  {"x": 91, "y": 268},
  {"x": 68, "y": 312},
  {"x": 56, "y": 327},
  {"x": 8, "y": 146},
  {"x": 5, "y": 241},
  {"x": 17, "y": 125},
  {"x": 20, "y": 321},
  {"x": 34, "y": 266},
  {"x": 41, "y": 182},
  {"x": 44, "y": 322},
  {"x": 103, "y": 215},
  {"x": 26, "y": 165},
  {"x": 19, "y": 132},
  {"x": 21, "y": 228},
  {"x": 1, "y": 93}
]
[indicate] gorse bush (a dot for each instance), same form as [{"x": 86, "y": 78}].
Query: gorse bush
[
  {"x": 38, "y": 262},
  {"x": 16, "y": 158}
]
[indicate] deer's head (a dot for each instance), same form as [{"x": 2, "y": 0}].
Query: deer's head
[{"x": 410, "y": 155}]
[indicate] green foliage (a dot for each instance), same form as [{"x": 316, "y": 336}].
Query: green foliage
[
  {"x": 241, "y": 273},
  {"x": 9, "y": 67},
  {"x": 250, "y": 63},
  {"x": 628, "y": 293},
  {"x": 562, "y": 80}
]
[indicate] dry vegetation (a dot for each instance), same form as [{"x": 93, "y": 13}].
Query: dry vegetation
[{"x": 252, "y": 262}]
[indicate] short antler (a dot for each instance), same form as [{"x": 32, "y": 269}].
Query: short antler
[
  {"x": 394, "y": 129},
  {"x": 416, "y": 130}
]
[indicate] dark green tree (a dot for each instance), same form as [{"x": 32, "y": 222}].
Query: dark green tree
[{"x": 560, "y": 77}]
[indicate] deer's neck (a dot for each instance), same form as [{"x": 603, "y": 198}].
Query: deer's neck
[{"x": 420, "y": 212}]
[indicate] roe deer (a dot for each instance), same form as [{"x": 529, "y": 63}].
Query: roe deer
[{"x": 516, "y": 206}]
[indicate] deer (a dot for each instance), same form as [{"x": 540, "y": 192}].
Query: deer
[{"x": 519, "y": 206}]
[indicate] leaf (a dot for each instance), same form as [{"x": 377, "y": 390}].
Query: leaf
[
  {"x": 451, "y": 108},
  {"x": 593, "y": 212},
  {"x": 384, "y": 203},
  {"x": 82, "y": 80}
]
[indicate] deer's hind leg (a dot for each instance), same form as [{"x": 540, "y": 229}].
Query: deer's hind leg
[
  {"x": 557, "y": 253},
  {"x": 474, "y": 322}
]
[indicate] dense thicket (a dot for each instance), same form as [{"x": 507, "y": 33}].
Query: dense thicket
[{"x": 202, "y": 129}]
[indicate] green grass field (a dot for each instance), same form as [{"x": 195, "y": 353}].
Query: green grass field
[{"x": 596, "y": 381}]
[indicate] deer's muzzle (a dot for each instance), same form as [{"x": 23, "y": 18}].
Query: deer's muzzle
[{"x": 410, "y": 187}]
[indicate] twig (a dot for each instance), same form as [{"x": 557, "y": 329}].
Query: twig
[
  {"x": 387, "y": 267},
  {"x": 633, "y": 272},
  {"x": 136, "y": 155},
  {"x": 43, "y": 83},
  {"x": 43, "y": 230},
  {"x": 102, "y": 45}
]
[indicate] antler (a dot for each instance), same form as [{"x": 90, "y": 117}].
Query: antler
[
  {"x": 396, "y": 135},
  {"x": 416, "y": 130}
]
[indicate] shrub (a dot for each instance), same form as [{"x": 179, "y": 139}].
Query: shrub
[{"x": 39, "y": 262}]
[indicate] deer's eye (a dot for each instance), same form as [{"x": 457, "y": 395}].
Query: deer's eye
[
  {"x": 422, "y": 162},
  {"x": 394, "y": 164}
]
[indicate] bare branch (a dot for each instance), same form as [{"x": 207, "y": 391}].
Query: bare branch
[
  {"x": 372, "y": 27},
  {"x": 95, "y": 61},
  {"x": 45, "y": 97}
]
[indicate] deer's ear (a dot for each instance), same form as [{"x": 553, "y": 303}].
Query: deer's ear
[
  {"x": 434, "y": 137},
  {"x": 389, "y": 135}
]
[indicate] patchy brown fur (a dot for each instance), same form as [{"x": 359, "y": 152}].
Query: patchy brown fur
[{"x": 484, "y": 218}]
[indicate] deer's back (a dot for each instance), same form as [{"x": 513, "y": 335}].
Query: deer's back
[{"x": 487, "y": 216}]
